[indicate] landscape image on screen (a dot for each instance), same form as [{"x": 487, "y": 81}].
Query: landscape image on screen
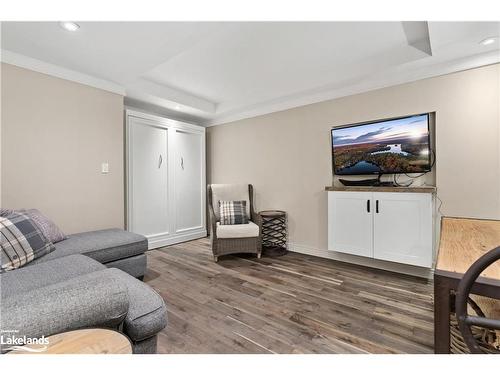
[{"x": 392, "y": 146}]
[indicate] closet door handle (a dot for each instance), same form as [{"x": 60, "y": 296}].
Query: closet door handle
[
  {"x": 368, "y": 205},
  {"x": 182, "y": 163},
  {"x": 160, "y": 161},
  {"x": 376, "y": 206}
]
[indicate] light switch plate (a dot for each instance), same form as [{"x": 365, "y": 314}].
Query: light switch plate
[{"x": 104, "y": 168}]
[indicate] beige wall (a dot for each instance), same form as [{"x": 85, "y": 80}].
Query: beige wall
[
  {"x": 55, "y": 135},
  {"x": 286, "y": 155}
]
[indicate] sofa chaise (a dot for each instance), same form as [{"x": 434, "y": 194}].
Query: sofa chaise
[
  {"x": 112, "y": 247},
  {"x": 90, "y": 280}
]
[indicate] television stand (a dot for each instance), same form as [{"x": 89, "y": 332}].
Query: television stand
[
  {"x": 391, "y": 224},
  {"x": 385, "y": 183}
]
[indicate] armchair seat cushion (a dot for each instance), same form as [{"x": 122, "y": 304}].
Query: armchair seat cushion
[{"x": 237, "y": 230}]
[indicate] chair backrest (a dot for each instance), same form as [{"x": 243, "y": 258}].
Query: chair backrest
[{"x": 229, "y": 192}]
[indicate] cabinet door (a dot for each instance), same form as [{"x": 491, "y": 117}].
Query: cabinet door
[
  {"x": 350, "y": 227},
  {"x": 148, "y": 178},
  {"x": 403, "y": 228},
  {"x": 189, "y": 169}
]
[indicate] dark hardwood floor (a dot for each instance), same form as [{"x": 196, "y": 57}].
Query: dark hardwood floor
[{"x": 291, "y": 304}]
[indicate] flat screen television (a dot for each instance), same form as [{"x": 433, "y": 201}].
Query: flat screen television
[{"x": 397, "y": 145}]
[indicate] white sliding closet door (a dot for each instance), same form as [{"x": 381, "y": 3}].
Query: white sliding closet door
[
  {"x": 148, "y": 189},
  {"x": 165, "y": 179},
  {"x": 189, "y": 167}
]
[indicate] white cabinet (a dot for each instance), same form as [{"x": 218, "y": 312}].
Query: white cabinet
[
  {"x": 165, "y": 179},
  {"x": 393, "y": 226},
  {"x": 350, "y": 222},
  {"x": 402, "y": 228}
]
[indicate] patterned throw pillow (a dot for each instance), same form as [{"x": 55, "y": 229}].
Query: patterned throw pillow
[
  {"x": 21, "y": 241},
  {"x": 233, "y": 212},
  {"x": 5, "y": 211},
  {"x": 47, "y": 226}
]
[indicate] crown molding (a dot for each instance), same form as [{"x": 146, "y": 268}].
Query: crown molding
[
  {"x": 165, "y": 96},
  {"x": 30, "y": 63},
  {"x": 383, "y": 80}
]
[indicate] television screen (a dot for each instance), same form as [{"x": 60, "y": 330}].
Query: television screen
[{"x": 399, "y": 145}]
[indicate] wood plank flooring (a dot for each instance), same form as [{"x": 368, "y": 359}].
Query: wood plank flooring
[{"x": 291, "y": 304}]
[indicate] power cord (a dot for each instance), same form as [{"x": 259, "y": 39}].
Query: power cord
[
  {"x": 397, "y": 183},
  {"x": 433, "y": 158},
  {"x": 440, "y": 204},
  {"x": 413, "y": 178}
]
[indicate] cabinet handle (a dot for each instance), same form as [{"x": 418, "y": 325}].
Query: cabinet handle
[
  {"x": 376, "y": 206},
  {"x": 182, "y": 163},
  {"x": 160, "y": 161},
  {"x": 368, "y": 205}
]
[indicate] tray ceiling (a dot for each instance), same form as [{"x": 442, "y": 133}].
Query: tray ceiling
[{"x": 216, "y": 72}]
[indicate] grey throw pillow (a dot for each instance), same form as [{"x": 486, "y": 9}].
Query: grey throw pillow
[
  {"x": 50, "y": 230},
  {"x": 21, "y": 241},
  {"x": 233, "y": 212}
]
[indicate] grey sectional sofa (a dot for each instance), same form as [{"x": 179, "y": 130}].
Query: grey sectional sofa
[
  {"x": 90, "y": 280},
  {"x": 111, "y": 247}
]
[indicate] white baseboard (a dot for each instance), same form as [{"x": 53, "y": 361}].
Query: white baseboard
[
  {"x": 362, "y": 261},
  {"x": 171, "y": 239}
]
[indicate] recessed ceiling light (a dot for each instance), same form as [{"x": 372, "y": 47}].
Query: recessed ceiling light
[
  {"x": 70, "y": 26},
  {"x": 488, "y": 41}
]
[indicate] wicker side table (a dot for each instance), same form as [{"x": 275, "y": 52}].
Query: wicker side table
[{"x": 274, "y": 232}]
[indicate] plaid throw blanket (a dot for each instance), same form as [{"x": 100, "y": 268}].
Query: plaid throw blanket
[
  {"x": 233, "y": 212},
  {"x": 21, "y": 241}
]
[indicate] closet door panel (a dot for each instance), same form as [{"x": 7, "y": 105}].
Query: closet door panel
[
  {"x": 149, "y": 181},
  {"x": 189, "y": 180}
]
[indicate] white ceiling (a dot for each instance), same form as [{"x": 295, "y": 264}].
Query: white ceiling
[{"x": 214, "y": 72}]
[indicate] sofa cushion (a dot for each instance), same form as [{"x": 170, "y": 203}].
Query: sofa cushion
[
  {"x": 229, "y": 192},
  {"x": 103, "y": 245},
  {"x": 238, "y": 230},
  {"x": 147, "y": 314},
  {"x": 36, "y": 276},
  {"x": 92, "y": 300},
  {"x": 21, "y": 241}
]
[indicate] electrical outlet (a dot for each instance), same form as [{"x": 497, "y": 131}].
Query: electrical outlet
[{"x": 104, "y": 168}]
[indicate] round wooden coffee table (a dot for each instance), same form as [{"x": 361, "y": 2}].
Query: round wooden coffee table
[
  {"x": 82, "y": 341},
  {"x": 274, "y": 232}
]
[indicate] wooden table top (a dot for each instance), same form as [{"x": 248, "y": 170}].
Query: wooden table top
[
  {"x": 463, "y": 241},
  {"x": 84, "y": 341},
  {"x": 384, "y": 189}
]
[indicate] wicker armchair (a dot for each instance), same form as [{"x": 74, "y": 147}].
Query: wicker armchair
[{"x": 231, "y": 239}]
